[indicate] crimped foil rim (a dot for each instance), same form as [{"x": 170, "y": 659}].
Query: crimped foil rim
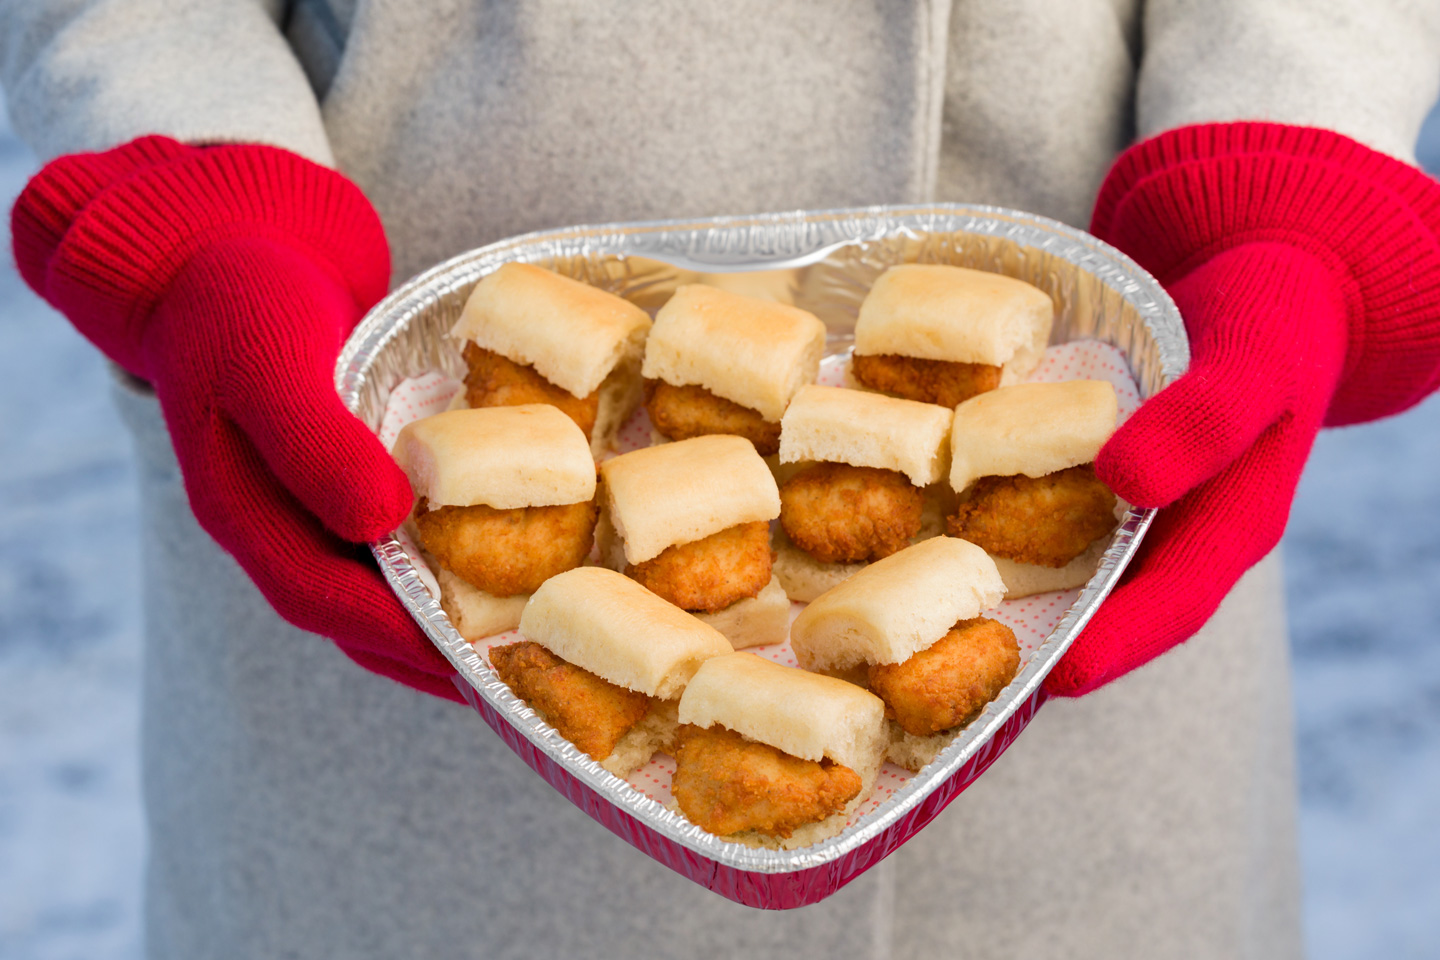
[{"x": 737, "y": 244}]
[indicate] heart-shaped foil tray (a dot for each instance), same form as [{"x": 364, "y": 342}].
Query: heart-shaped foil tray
[{"x": 825, "y": 262}]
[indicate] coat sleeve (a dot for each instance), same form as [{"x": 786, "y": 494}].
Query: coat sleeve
[
  {"x": 85, "y": 75},
  {"x": 1369, "y": 69}
]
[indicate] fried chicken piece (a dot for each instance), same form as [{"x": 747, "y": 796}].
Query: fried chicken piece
[
  {"x": 589, "y": 711},
  {"x": 843, "y": 514},
  {"x": 505, "y": 552},
  {"x": 684, "y": 412},
  {"x": 711, "y": 573},
  {"x": 1047, "y": 520},
  {"x": 948, "y": 683},
  {"x": 946, "y": 382},
  {"x": 497, "y": 381},
  {"x": 726, "y": 784}
]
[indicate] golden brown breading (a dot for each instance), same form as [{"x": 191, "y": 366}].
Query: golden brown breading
[
  {"x": 1047, "y": 520},
  {"x": 843, "y": 514},
  {"x": 946, "y": 382},
  {"x": 589, "y": 711},
  {"x": 711, "y": 573},
  {"x": 505, "y": 552},
  {"x": 726, "y": 784},
  {"x": 948, "y": 683},
  {"x": 680, "y": 413},
  {"x": 497, "y": 381}
]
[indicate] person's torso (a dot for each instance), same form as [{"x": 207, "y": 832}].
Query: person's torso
[{"x": 466, "y": 122}]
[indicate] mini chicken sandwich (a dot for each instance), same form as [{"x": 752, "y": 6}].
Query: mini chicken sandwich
[
  {"x": 604, "y": 662},
  {"x": 773, "y": 756},
  {"x": 505, "y": 500},
  {"x": 870, "y": 481},
  {"x": 1022, "y": 464},
  {"x": 909, "y": 628},
  {"x": 533, "y": 336},
  {"x": 943, "y": 334},
  {"x": 691, "y": 522},
  {"x": 721, "y": 362}
]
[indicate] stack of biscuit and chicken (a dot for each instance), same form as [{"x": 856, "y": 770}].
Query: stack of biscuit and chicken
[
  {"x": 604, "y": 662},
  {"x": 690, "y": 521},
  {"x": 533, "y": 336},
  {"x": 773, "y": 756},
  {"x": 909, "y": 628},
  {"x": 943, "y": 334},
  {"x": 722, "y": 362},
  {"x": 505, "y": 500},
  {"x": 866, "y": 481},
  {"x": 1022, "y": 465}
]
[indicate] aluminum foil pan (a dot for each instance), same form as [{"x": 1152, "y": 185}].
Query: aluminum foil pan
[{"x": 825, "y": 262}]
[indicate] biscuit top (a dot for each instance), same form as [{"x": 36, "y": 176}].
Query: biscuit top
[
  {"x": 867, "y": 429},
  {"x": 681, "y": 492},
  {"x": 573, "y": 334},
  {"x": 610, "y": 625},
  {"x": 938, "y": 312},
  {"x": 895, "y": 607},
  {"x": 753, "y": 352},
  {"x": 1030, "y": 428},
  {"x": 804, "y": 714},
  {"x": 504, "y": 457}
]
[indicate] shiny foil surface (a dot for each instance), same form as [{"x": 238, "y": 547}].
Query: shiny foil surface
[{"x": 824, "y": 262}]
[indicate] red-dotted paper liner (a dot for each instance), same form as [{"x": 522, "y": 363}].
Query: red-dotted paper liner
[{"x": 1113, "y": 322}]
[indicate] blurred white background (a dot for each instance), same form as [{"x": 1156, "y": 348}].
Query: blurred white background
[{"x": 1363, "y": 559}]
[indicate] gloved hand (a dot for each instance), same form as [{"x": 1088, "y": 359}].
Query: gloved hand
[
  {"x": 1307, "y": 270},
  {"x": 228, "y": 277}
]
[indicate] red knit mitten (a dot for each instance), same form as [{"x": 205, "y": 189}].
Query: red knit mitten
[
  {"x": 1307, "y": 270},
  {"x": 228, "y": 277}
]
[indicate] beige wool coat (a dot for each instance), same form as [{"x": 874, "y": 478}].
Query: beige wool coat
[{"x": 300, "y": 807}]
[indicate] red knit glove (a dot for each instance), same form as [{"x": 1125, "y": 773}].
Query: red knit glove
[
  {"x": 228, "y": 277},
  {"x": 1307, "y": 269}
]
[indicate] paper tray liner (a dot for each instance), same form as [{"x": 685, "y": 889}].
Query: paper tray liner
[{"x": 825, "y": 262}]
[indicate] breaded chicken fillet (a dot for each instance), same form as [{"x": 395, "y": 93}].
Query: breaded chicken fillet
[
  {"x": 944, "y": 382},
  {"x": 711, "y": 573},
  {"x": 1047, "y": 521},
  {"x": 505, "y": 552},
  {"x": 680, "y": 413},
  {"x": 843, "y": 514},
  {"x": 497, "y": 381},
  {"x": 589, "y": 711},
  {"x": 726, "y": 784},
  {"x": 948, "y": 683}
]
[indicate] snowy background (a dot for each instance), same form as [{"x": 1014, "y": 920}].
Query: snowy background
[{"x": 1363, "y": 580}]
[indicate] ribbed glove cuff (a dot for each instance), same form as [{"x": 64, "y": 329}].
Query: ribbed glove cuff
[
  {"x": 102, "y": 236},
  {"x": 1176, "y": 201}
]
